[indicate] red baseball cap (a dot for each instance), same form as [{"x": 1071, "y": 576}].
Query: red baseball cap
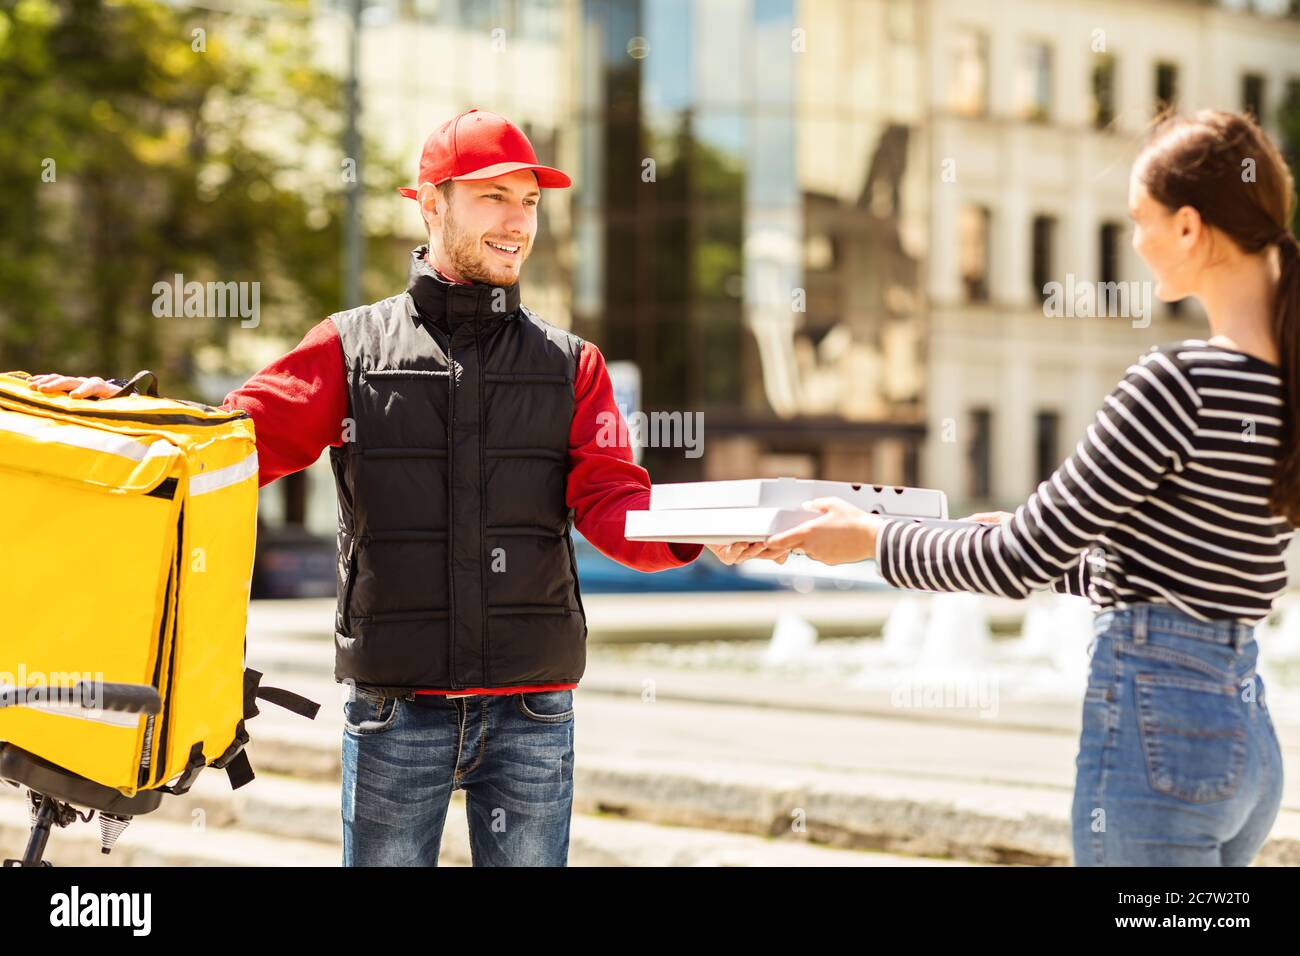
[{"x": 478, "y": 144}]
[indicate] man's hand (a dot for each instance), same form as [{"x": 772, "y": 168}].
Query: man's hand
[
  {"x": 990, "y": 517},
  {"x": 75, "y": 386},
  {"x": 745, "y": 550}
]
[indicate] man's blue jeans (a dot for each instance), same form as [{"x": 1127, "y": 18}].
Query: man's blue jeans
[
  {"x": 404, "y": 756},
  {"x": 1178, "y": 764}
]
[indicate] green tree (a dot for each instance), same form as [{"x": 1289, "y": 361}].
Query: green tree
[
  {"x": 141, "y": 140},
  {"x": 1288, "y": 121}
]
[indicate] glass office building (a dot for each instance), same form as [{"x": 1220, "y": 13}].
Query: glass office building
[
  {"x": 747, "y": 221},
  {"x": 748, "y": 213}
]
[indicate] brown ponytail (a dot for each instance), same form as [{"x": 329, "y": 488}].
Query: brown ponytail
[
  {"x": 1285, "y": 496},
  {"x": 1226, "y": 168}
]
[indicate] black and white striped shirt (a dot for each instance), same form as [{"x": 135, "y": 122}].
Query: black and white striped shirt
[{"x": 1165, "y": 500}]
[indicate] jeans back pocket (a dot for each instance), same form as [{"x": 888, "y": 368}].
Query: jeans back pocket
[{"x": 1193, "y": 736}]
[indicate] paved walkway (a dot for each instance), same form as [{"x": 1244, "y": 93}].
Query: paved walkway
[{"x": 751, "y": 753}]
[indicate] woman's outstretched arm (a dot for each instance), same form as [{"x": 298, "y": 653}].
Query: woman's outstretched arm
[
  {"x": 1144, "y": 430},
  {"x": 1074, "y": 581}
]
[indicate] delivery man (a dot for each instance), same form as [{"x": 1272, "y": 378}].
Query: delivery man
[{"x": 466, "y": 437}]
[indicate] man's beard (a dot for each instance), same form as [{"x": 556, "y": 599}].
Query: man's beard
[{"x": 466, "y": 255}]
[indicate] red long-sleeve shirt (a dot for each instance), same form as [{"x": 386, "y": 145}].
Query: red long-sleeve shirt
[{"x": 299, "y": 401}]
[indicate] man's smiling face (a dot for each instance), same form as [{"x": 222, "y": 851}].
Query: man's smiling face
[{"x": 484, "y": 230}]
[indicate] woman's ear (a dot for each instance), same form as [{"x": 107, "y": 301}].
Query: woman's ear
[{"x": 1188, "y": 227}]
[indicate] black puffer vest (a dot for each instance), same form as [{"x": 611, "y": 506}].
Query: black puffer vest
[{"x": 455, "y": 564}]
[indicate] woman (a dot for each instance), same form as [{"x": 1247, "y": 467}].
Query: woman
[{"x": 1171, "y": 516}]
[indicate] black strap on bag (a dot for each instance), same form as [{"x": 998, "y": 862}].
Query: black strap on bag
[
  {"x": 234, "y": 760},
  {"x": 133, "y": 384},
  {"x": 193, "y": 765},
  {"x": 238, "y": 769},
  {"x": 287, "y": 699}
]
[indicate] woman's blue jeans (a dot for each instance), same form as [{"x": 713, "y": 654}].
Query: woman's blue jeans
[{"x": 1179, "y": 764}]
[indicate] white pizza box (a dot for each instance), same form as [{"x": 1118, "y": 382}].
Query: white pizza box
[
  {"x": 712, "y": 525},
  {"x": 791, "y": 493},
  {"x": 730, "y": 525}
]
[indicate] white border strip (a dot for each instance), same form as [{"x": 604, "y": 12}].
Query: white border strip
[
  {"x": 94, "y": 714},
  {"x": 202, "y": 483},
  {"x": 79, "y": 436}
]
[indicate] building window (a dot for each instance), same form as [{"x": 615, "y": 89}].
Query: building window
[
  {"x": 968, "y": 79},
  {"x": 1043, "y": 257},
  {"x": 979, "y": 453},
  {"x": 1103, "y": 90},
  {"x": 1166, "y": 86},
  {"x": 1108, "y": 252},
  {"x": 1252, "y": 95},
  {"x": 973, "y": 237},
  {"x": 1034, "y": 82},
  {"x": 1047, "y": 430}
]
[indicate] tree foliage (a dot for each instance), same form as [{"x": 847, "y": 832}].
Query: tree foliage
[{"x": 141, "y": 141}]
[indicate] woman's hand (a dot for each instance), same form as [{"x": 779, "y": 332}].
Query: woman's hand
[
  {"x": 745, "y": 550},
  {"x": 841, "y": 534}
]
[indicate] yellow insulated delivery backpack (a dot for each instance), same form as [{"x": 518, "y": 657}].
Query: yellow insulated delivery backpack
[{"x": 130, "y": 527}]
